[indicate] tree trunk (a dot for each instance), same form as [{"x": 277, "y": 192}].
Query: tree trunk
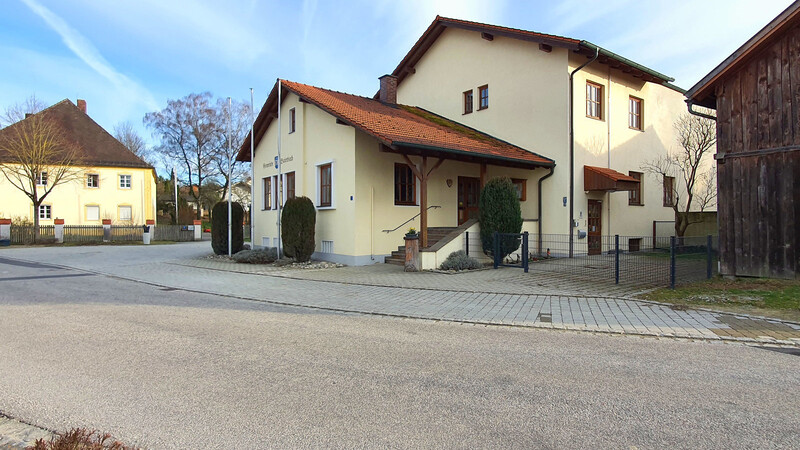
[{"x": 36, "y": 222}]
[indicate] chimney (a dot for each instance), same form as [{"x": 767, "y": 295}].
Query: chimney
[
  {"x": 82, "y": 105},
  {"x": 388, "y": 93}
]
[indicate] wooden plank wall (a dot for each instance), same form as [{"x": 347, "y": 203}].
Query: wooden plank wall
[{"x": 758, "y": 108}]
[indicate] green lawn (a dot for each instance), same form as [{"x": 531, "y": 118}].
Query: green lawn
[{"x": 766, "y": 297}]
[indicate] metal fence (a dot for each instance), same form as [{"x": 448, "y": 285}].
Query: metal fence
[{"x": 632, "y": 260}]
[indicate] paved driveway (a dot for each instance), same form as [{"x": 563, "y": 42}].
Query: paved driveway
[
  {"x": 166, "y": 368},
  {"x": 486, "y": 297}
]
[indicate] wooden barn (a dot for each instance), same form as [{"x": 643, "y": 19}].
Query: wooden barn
[{"x": 756, "y": 95}]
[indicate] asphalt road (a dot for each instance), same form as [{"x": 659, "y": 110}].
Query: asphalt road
[{"x": 173, "y": 369}]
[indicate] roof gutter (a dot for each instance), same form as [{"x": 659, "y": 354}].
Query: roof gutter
[
  {"x": 690, "y": 105},
  {"x": 572, "y": 151},
  {"x": 482, "y": 155}
]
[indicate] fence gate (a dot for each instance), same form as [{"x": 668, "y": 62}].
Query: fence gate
[{"x": 508, "y": 243}]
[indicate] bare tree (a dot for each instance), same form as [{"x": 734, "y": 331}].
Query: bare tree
[
  {"x": 17, "y": 111},
  {"x": 238, "y": 116},
  {"x": 127, "y": 135},
  {"x": 189, "y": 131},
  {"x": 696, "y": 137},
  {"x": 35, "y": 157}
]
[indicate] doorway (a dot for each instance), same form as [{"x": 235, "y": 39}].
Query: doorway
[
  {"x": 594, "y": 227},
  {"x": 469, "y": 191}
]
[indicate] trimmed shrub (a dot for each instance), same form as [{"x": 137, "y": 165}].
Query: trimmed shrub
[
  {"x": 259, "y": 256},
  {"x": 219, "y": 228},
  {"x": 459, "y": 260},
  {"x": 499, "y": 211},
  {"x": 298, "y": 222}
]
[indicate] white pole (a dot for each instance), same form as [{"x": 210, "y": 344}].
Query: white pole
[
  {"x": 230, "y": 225},
  {"x": 175, "y": 186},
  {"x": 252, "y": 175},
  {"x": 279, "y": 184}
]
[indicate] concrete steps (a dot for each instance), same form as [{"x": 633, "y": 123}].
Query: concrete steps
[{"x": 435, "y": 234}]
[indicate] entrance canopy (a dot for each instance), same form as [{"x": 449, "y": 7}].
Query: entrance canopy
[{"x": 607, "y": 180}]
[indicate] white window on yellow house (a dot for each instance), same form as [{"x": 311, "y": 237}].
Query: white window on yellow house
[
  {"x": 124, "y": 181},
  {"x": 594, "y": 100},
  {"x": 92, "y": 213},
  {"x": 92, "y": 180},
  {"x": 125, "y": 213},
  {"x": 41, "y": 179},
  {"x": 292, "y": 121},
  {"x": 266, "y": 184},
  {"x": 45, "y": 212},
  {"x": 635, "y": 113},
  {"x": 325, "y": 184}
]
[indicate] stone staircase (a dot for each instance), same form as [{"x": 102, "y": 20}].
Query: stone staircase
[{"x": 435, "y": 234}]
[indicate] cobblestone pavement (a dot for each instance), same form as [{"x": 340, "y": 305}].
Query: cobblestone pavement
[
  {"x": 498, "y": 297},
  {"x": 15, "y": 434}
]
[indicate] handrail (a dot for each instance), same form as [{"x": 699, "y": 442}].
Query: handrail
[{"x": 409, "y": 220}]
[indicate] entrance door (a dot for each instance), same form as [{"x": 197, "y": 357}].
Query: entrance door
[
  {"x": 594, "y": 224},
  {"x": 469, "y": 189}
]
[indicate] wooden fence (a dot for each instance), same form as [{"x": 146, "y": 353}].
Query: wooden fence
[{"x": 23, "y": 234}]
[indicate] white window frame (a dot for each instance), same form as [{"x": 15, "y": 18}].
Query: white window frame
[
  {"x": 119, "y": 212},
  {"x": 319, "y": 185},
  {"x": 45, "y": 207},
  {"x": 264, "y": 193},
  {"x": 130, "y": 181},
  {"x": 42, "y": 176},
  {"x": 89, "y": 176},
  {"x": 292, "y": 120},
  {"x": 276, "y": 186},
  {"x": 89, "y": 219}
]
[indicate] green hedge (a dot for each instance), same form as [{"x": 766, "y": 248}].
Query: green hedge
[
  {"x": 499, "y": 211},
  {"x": 298, "y": 223},
  {"x": 219, "y": 228}
]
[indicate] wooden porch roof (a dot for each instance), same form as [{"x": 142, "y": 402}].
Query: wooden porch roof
[{"x": 608, "y": 180}]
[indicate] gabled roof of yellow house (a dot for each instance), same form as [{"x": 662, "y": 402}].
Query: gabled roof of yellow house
[
  {"x": 98, "y": 147},
  {"x": 401, "y": 128},
  {"x": 546, "y": 41}
]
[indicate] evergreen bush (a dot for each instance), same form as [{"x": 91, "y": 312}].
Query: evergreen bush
[
  {"x": 499, "y": 211},
  {"x": 219, "y": 228},
  {"x": 459, "y": 260},
  {"x": 298, "y": 222}
]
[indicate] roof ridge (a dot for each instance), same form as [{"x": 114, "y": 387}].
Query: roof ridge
[{"x": 507, "y": 28}]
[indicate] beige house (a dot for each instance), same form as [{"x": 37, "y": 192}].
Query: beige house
[
  {"x": 470, "y": 102},
  {"x": 112, "y": 182}
]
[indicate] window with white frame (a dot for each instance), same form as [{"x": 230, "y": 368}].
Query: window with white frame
[
  {"x": 92, "y": 213},
  {"x": 41, "y": 179},
  {"x": 92, "y": 180},
  {"x": 266, "y": 184},
  {"x": 45, "y": 212},
  {"x": 292, "y": 123},
  {"x": 124, "y": 181},
  {"x": 125, "y": 213}
]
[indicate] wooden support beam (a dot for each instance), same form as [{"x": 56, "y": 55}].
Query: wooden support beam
[
  {"x": 423, "y": 204},
  {"x": 413, "y": 167},
  {"x": 483, "y": 175},
  {"x": 435, "y": 166}
]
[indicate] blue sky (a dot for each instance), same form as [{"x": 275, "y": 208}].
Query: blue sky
[{"x": 127, "y": 57}]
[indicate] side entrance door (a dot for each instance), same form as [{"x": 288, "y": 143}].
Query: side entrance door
[
  {"x": 594, "y": 224},
  {"x": 469, "y": 189}
]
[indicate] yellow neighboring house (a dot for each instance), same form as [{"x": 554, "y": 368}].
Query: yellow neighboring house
[
  {"x": 114, "y": 183},
  {"x": 470, "y": 102}
]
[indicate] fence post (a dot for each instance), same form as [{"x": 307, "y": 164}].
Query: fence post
[
  {"x": 672, "y": 262},
  {"x": 709, "y": 257},
  {"x": 106, "y": 230},
  {"x": 198, "y": 231},
  {"x": 466, "y": 237},
  {"x": 58, "y": 230},
  {"x": 496, "y": 248},
  {"x": 525, "y": 251},
  {"x": 616, "y": 259},
  {"x": 5, "y": 230}
]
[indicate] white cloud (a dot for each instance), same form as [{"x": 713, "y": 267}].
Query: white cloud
[{"x": 83, "y": 49}]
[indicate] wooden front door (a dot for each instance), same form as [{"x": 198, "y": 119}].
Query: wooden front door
[
  {"x": 594, "y": 227},
  {"x": 469, "y": 190}
]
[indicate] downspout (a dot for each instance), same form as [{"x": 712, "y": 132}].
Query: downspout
[
  {"x": 572, "y": 151},
  {"x": 539, "y": 207}
]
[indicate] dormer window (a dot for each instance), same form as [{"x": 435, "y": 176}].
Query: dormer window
[{"x": 468, "y": 101}]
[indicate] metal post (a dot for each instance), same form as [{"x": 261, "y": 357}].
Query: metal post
[
  {"x": 496, "y": 248},
  {"x": 466, "y": 245},
  {"x": 252, "y": 174},
  {"x": 279, "y": 183},
  {"x": 616, "y": 259},
  {"x": 709, "y": 257},
  {"x": 230, "y": 212},
  {"x": 672, "y": 262},
  {"x": 525, "y": 251}
]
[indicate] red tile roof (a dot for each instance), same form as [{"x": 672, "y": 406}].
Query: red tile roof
[
  {"x": 611, "y": 174},
  {"x": 399, "y": 126}
]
